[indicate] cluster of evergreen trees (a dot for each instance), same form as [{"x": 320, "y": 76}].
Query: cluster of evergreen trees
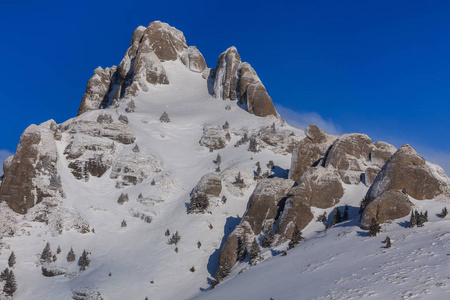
[
  {"x": 8, "y": 276},
  {"x": 48, "y": 257},
  {"x": 418, "y": 219}
]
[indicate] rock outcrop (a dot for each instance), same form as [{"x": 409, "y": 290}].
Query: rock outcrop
[
  {"x": 236, "y": 80},
  {"x": 390, "y": 205},
  {"x": 31, "y": 175},
  {"x": 210, "y": 185},
  {"x": 408, "y": 172},
  {"x": 310, "y": 151},
  {"x": 141, "y": 65},
  {"x": 193, "y": 59},
  {"x": 213, "y": 138},
  {"x": 265, "y": 206}
]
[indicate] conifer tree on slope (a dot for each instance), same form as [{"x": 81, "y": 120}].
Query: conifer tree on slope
[
  {"x": 12, "y": 260},
  {"x": 255, "y": 250},
  {"x": 71, "y": 255},
  {"x": 10, "y": 284},
  {"x": 47, "y": 255},
  {"x": 296, "y": 238},
  {"x": 84, "y": 261}
]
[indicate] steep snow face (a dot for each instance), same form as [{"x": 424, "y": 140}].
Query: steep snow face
[{"x": 156, "y": 165}]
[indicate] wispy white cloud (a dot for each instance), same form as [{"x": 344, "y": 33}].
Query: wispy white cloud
[
  {"x": 4, "y": 154},
  {"x": 303, "y": 119}
]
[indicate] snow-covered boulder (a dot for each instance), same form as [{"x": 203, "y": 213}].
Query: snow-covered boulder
[
  {"x": 213, "y": 137},
  {"x": 277, "y": 140},
  {"x": 210, "y": 184},
  {"x": 32, "y": 174},
  {"x": 134, "y": 167},
  {"x": 193, "y": 59}
]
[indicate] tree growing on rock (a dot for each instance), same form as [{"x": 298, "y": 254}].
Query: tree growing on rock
[
  {"x": 164, "y": 118},
  {"x": 242, "y": 248},
  {"x": 255, "y": 251},
  {"x": 297, "y": 237},
  {"x": 374, "y": 227},
  {"x": 269, "y": 236},
  {"x": 12, "y": 260}
]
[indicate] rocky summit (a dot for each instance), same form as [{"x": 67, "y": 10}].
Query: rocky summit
[{"x": 180, "y": 181}]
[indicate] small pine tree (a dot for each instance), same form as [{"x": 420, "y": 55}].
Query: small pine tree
[
  {"x": 131, "y": 107},
  {"x": 12, "y": 260},
  {"x": 176, "y": 249},
  {"x": 167, "y": 233},
  {"x": 374, "y": 227},
  {"x": 192, "y": 269},
  {"x": 258, "y": 171},
  {"x": 253, "y": 147},
  {"x": 242, "y": 248},
  {"x": 425, "y": 216},
  {"x": 46, "y": 255},
  {"x": 140, "y": 196},
  {"x": 199, "y": 203},
  {"x": 228, "y": 136},
  {"x": 271, "y": 165},
  {"x": 199, "y": 244},
  {"x": 10, "y": 284},
  {"x": 337, "y": 217},
  {"x": 153, "y": 182},
  {"x": 54, "y": 258},
  {"x": 123, "y": 224},
  {"x": 420, "y": 219},
  {"x": 226, "y": 126},
  {"x": 58, "y": 251},
  {"x": 296, "y": 238},
  {"x": 164, "y": 118},
  {"x": 412, "y": 220},
  {"x": 122, "y": 198},
  {"x": 71, "y": 255},
  {"x": 136, "y": 149},
  {"x": 444, "y": 212},
  {"x": 4, "y": 275},
  {"x": 255, "y": 250},
  {"x": 218, "y": 159},
  {"x": 274, "y": 130},
  {"x": 84, "y": 261},
  {"x": 224, "y": 199},
  {"x": 239, "y": 182},
  {"x": 322, "y": 218},
  {"x": 174, "y": 239},
  {"x": 268, "y": 237},
  {"x": 388, "y": 242},
  {"x": 345, "y": 215}
]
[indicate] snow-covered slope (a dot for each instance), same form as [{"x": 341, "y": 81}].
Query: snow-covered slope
[{"x": 138, "y": 254}]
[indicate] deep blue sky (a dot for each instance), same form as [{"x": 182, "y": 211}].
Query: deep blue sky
[{"x": 377, "y": 67}]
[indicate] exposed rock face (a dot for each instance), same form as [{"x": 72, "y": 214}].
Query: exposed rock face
[
  {"x": 213, "y": 138},
  {"x": 235, "y": 80},
  {"x": 407, "y": 171},
  {"x": 147, "y": 67},
  {"x": 350, "y": 154},
  {"x": 264, "y": 203},
  {"x": 279, "y": 141},
  {"x": 166, "y": 42},
  {"x": 226, "y": 79},
  {"x": 209, "y": 184},
  {"x": 32, "y": 175},
  {"x": 390, "y": 205},
  {"x": 97, "y": 89},
  {"x": 309, "y": 152},
  {"x": 193, "y": 59},
  {"x": 265, "y": 206},
  {"x": 380, "y": 153},
  {"x": 140, "y": 66}
]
